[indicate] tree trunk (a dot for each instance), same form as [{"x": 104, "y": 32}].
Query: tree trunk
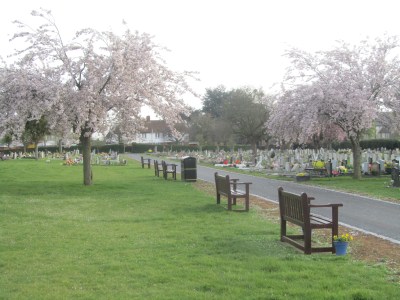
[
  {"x": 60, "y": 146},
  {"x": 254, "y": 151},
  {"x": 86, "y": 152},
  {"x": 356, "y": 148},
  {"x": 36, "y": 151}
]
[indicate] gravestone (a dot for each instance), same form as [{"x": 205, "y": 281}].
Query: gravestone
[
  {"x": 334, "y": 164},
  {"x": 381, "y": 165},
  {"x": 375, "y": 169},
  {"x": 365, "y": 167},
  {"x": 295, "y": 168}
]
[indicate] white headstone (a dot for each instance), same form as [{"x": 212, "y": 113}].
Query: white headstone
[{"x": 365, "y": 167}]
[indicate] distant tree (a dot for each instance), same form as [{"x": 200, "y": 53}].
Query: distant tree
[
  {"x": 25, "y": 140},
  {"x": 213, "y": 101},
  {"x": 221, "y": 133},
  {"x": 201, "y": 128},
  {"x": 247, "y": 112},
  {"x": 340, "y": 91},
  {"x": 35, "y": 131},
  {"x": 101, "y": 74},
  {"x": 8, "y": 139}
]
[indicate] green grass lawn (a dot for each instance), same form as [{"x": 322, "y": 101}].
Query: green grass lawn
[
  {"x": 132, "y": 235},
  {"x": 377, "y": 187},
  {"x": 374, "y": 186}
]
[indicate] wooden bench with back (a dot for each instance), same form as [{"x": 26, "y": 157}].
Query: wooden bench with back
[
  {"x": 168, "y": 169},
  {"x": 145, "y": 161},
  {"x": 228, "y": 188},
  {"x": 157, "y": 168},
  {"x": 296, "y": 209}
]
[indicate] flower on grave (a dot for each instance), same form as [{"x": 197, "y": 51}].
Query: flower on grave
[
  {"x": 343, "y": 238},
  {"x": 69, "y": 162},
  {"x": 302, "y": 174},
  {"x": 335, "y": 173},
  {"x": 319, "y": 164},
  {"x": 389, "y": 164}
]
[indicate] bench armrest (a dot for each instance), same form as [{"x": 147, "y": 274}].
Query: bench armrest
[
  {"x": 326, "y": 205},
  {"x": 239, "y": 182}
]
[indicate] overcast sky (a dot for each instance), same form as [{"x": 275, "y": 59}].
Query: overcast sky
[{"x": 235, "y": 43}]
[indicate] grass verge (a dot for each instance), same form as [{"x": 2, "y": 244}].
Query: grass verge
[{"x": 132, "y": 235}]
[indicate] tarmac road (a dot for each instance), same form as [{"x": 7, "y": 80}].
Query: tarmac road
[{"x": 370, "y": 215}]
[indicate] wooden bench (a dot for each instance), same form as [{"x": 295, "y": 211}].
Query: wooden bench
[
  {"x": 157, "y": 168},
  {"x": 168, "y": 169},
  {"x": 145, "y": 161},
  {"x": 296, "y": 209},
  {"x": 228, "y": 188}
]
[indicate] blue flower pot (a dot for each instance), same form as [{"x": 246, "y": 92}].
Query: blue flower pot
[{"x": 341, "y": 247}]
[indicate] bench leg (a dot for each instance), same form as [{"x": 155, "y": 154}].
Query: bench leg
[
  {"x": 229, "y": 203},
  {"x": 218, "y": 198},
  {"x": 247, "y": 203},
  {"x": 247, "y": 199},
  {"x": 335, "y": 226},
  {"x": 233, "y": 200},
  {"x": 307, "y": 240},
  {"x": 283, "y": 229}
]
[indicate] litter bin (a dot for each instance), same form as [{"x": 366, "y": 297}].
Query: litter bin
[{"x": 188, "y": 168}]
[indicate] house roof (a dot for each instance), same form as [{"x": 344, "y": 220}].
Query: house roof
[{"x": 159, "y": 126}]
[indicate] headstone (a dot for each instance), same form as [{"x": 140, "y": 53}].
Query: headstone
[
  {"x": 375, "y": 169},
  {"x": 334, "y": 164},
  {"x": 381, "y": 163},
  {"x": 365, "y": 167}
]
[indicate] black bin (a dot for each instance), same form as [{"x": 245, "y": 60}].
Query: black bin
[{"x": 188, "y": 168}]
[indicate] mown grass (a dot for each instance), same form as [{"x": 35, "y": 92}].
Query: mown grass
[
  {"x": 379, "y": 187},
  {"x": 135, "y": 236}
]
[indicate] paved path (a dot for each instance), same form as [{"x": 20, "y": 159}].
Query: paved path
[{"x": 373, "y": 216}]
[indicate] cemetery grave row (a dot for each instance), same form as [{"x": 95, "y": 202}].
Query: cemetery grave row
[
  {"x": 72, "y": 157},
  {"x": 292, "y": 162}
]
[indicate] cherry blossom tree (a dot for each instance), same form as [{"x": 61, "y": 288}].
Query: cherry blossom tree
[
  {"x": 26, "y": 95},
  {"x": 102, "y": 74},
  {"x": 338, "y": 91}
]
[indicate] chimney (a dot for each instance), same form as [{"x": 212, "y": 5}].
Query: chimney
[{"x": 148, "y": 118}]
